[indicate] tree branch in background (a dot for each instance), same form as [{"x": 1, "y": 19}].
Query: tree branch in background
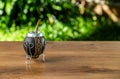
[
  {"x": 100, "y": 6},
  {"x": 111, "y": 14}
]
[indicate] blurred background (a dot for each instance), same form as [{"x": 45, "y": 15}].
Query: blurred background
[{"x": 61, "y": 20}]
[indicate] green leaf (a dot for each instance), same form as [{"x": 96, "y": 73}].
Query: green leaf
[{"x": 57, "y": 7}]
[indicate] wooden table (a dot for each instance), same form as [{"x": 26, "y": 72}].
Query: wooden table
[{"x": 64, "y": 60}]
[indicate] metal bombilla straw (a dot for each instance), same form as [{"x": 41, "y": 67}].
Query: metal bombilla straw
[{"x": 36, "y": 29}]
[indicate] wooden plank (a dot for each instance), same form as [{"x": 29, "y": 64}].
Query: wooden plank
[{"x": 66, "y": 60}]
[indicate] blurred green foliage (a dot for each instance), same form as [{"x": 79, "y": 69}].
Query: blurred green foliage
[{"x": 60, "y": 20}]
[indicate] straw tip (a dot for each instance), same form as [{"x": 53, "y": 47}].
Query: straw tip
[{"x": 38, "y": 20}]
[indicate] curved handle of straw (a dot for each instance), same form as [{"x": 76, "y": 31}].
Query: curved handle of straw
[{"x": 36, "y": 29}]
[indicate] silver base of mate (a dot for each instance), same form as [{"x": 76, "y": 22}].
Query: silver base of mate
[{"x": 28, "y": 59}]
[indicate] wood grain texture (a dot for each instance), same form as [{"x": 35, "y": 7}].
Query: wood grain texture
[{"x": 64, "y": 60}]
